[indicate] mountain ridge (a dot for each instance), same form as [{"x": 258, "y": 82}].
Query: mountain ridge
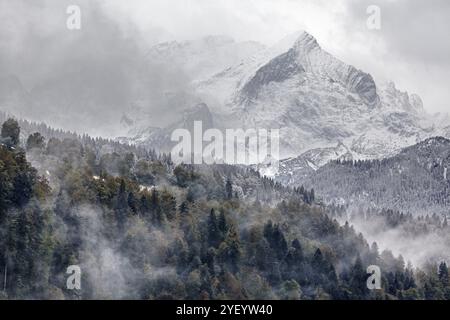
[{"x": 416, "y": 180}]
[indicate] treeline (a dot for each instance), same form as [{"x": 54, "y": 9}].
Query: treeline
[{"x": 141, "y": 227}]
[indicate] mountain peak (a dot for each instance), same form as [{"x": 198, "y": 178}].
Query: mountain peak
[
  {"x": 302, "y": 58},
  {"x": 306, "y": 42},
  {"x": 392, "y": 96}
]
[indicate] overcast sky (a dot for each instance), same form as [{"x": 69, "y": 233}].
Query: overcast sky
[{"x": 412, "y": 48}]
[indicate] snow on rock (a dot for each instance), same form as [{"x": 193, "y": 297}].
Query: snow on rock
[{"x": 316, "y": 100}]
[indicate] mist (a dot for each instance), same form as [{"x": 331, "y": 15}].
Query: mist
[
  {"x": 80, "y": 80},
  {"x": 86, "y": 80},
  {"x": 416, "y": 244}
]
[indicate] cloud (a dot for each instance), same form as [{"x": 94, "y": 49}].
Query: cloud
[
  {"x": 101, "y": 67},
  {"x": 414, "y": 29},
  {"x": 80, "y": 80},
  {"x": 411, "y": 48}
]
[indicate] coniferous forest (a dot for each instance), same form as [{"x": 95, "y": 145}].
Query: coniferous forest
[{"x": 140, "y": 227}]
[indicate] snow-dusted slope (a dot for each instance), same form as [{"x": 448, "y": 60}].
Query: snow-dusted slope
[
  {"x": 293, "y": 171},
  {"x": 416, "y": 180},
  {"x": 325, "y": 108},
  {"x": 316, "y": 100}
]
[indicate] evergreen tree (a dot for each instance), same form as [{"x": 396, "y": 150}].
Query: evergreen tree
[
  {"x": 132, "y": 202},
  {"x": 168, "y": 205},
  {"x": 443, "y": 274},
  {"x": 35, "y": 140},
  {"x": 229, "y": 189},
  {"x": 295, "y": 256},
  {"x": 144, "y": 206},
  {"x": 358, "y": 278},
  {"x": 231, "y": 250},
  {"x": 11, "y": 132},
  {"x": 155, "y": 207},
  {"x": 121, "y": 205},
  {"x": 184, "y": 208},
  {"x": 312, "y": 196},
  {"x": 222, "y": 223},
  {"x": 214, "y": 237}
]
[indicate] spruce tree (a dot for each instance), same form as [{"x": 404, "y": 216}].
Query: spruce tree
[
  {"x": 11, "y": 132},
  {"x": 35, "y": 140},
  {"x": 443, "y": 274},
  {"x": 229, "y": 189}
]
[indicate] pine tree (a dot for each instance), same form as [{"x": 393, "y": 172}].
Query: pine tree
[
  {"x": 184, "y": 208},
  {"x": 443, "y": 274},
  {"x": 268, "y": 230},
  {"x": 214, "y": 237},
  {"x": 11, "y": 132},
  {"x": 374, "y": 253},
  {"x": 222, "y": 223},
  {"x": 231, "y": 250},
  {"x": 296, "y": 253},
  {"x": 279, "y": 243},
  {"x": 132, "y": 202},
  {"x": 155, "y": 208},
  {"x": 35, "y": 140},
  {"x": 312, "y": 196},
  {"x": 358, "y": 278},
  {"x": 121, "y": 205},
  {"x": 317, "y": 260},
  {"x": 168, "y": 205},
  {"x": 23, "y": 181},
  {"x": 229, "y": 189},
  {"x": 144, "y": 206}
]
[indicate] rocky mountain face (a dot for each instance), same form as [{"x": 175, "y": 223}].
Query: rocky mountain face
[
  {"x": 307, "y": 61},
  {"x": 317, "y": 101}
]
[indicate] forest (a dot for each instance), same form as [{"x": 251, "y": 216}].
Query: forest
[
  {"x": 414, "y": 181},
  {"x": 141, "y": 227}
]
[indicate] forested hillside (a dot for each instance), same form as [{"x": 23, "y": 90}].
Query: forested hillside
[
  {"x": 141, "y": 227},
  {"x": 414, "y": 181}
]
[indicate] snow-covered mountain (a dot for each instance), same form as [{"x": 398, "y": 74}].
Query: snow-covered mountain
[
  {"x": 325, "y": 108},
  {"x": 317, "y": 101},
  {"x": 416, "y": 180}
]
